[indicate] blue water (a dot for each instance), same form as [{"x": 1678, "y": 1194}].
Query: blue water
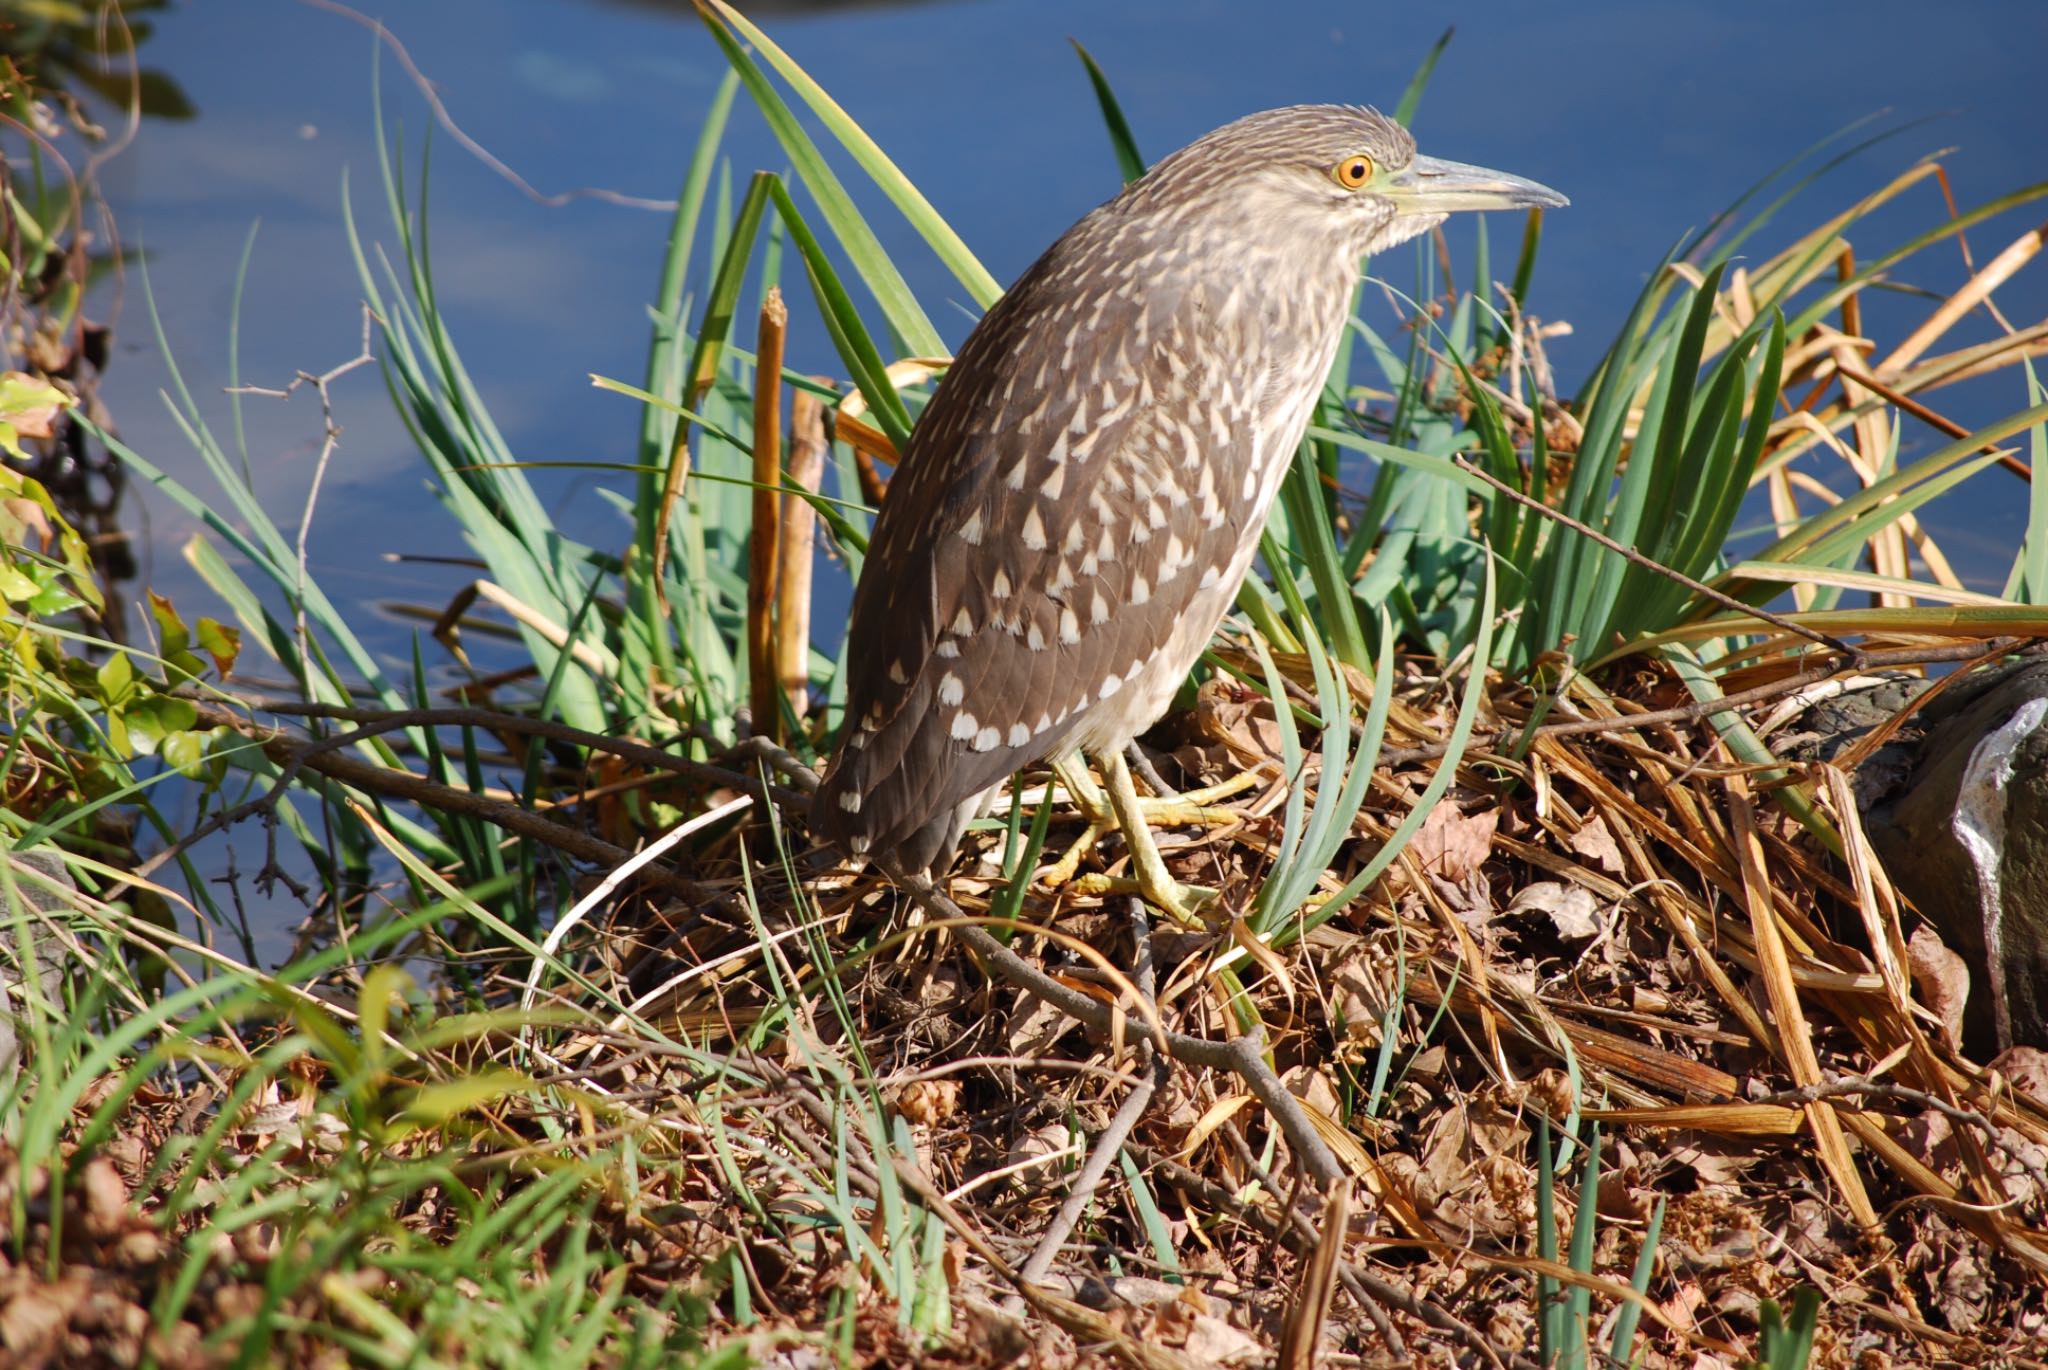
[{"x": 1651, "y": 117}]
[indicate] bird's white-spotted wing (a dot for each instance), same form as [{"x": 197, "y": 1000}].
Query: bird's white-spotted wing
[{"x": 1076, "y": 488}]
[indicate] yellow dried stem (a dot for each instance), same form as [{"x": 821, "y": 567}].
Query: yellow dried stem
[
  {"x": 795, "y": 550},
  {"x": 1977, "y": 290},
  {"x": 1795, "y": 1039}
]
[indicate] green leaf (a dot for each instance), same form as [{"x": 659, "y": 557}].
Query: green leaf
[
  {"x": 16, "y": 587},
  {"x": 887, "y": 177},
  {"x": 116, "y": 678},
  {"x": 28, "y": 407},
  {"x": 1411, "y": 98},
  {"x": 383, "y": 987},
  {"x": 433, "y": 1105},
  {"x": 1129, "y": 160},
  {"x": 186, "y": 751},
  {"x": 153, "y": 718},
  {"x": 849, "y": 336},
  {"x": 221, "y": 642},
  {"x": 180, "y": 663}
]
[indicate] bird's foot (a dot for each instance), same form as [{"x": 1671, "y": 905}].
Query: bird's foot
[
  {"x": 1120, "y": 807},
  {"x": 1192, "y": 808},
  {"x": 1148, "y": 870},
  {"x": 1187, "y": 808},
  {"x": 1182, "y": 903},
  {"x": 1063, "y": 870}
]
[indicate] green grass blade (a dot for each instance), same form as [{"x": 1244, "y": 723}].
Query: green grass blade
[
  {"x": 1130, "y": 162},
  {"x": 1411, "y": 95},
  {"x": 863, "y": 360},
  {"x": 2034, "y": 556},
  {"x": 863, "y": 249},
  {"x": 1630, "y": 1314},
  {"x": 947, "y": 244},
  {"x": 1549, "y": 1307},
  {"x": 1572, "y": 1347}
]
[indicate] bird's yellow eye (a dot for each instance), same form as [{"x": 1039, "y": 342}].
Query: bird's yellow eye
[{"x": 1353, "y": 172}]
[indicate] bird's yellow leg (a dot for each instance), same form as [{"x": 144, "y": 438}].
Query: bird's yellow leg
[
  {"x": 1074, "y": 775},
  {"x": 1102, "y": 814},
  {"x": 1189, "y": 807},
  {"x": 1152, "y": 880},
  {"x": 1194, "y": 806}
]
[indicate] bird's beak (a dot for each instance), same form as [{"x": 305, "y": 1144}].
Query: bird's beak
[{"x": 1429, "y": 185}]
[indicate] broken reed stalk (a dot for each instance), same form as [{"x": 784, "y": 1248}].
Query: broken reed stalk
[
  {"x": 794, "y": 550},
  {"x": 763, "y": 676}
]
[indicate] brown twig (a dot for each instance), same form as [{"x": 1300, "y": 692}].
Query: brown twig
[
  {"x": 321, "y": 755},
  {"x": 1242, "y": 1056},
  {"x": 1081, "y": 1322},
  {"x": 1933, "y": 419},
  {"x": 330, "y": 438},
  {"x": 430, "y": 92},
  {"x": 380, "y": 720},
  {"x": 1863, "y": 1086},
  {"x": 1701, "y": 709}
]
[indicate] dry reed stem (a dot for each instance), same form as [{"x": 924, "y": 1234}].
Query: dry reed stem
[
  {"x": 1794, "y": 1042},
  {"x": 796, "y": 550},
  {"x": 1976, "y": 291},
  {"x": 764, "y": 676}
]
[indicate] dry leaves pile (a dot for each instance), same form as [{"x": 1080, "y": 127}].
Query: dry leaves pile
[{"x": 1621, "y": 927}]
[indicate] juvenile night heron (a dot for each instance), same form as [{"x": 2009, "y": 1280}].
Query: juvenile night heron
[{"x": 1080, "y": 502}]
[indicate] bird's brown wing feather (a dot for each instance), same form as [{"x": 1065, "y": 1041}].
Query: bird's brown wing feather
[{"x": 1019, "y": 567}]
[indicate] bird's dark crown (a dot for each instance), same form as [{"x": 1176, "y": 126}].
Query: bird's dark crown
[{"x": 1310, "y": 138}]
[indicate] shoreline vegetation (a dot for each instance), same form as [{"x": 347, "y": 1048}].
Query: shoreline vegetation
[{"x": 1562, "y": 1012}]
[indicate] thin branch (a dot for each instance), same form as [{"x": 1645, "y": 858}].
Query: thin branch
[
  {"x": 1242, "y": 1056},
  {"x": 1089, "y": 1178},
  {"x": 470, "y": 145},
  {"x": 1938, "y": 421}
]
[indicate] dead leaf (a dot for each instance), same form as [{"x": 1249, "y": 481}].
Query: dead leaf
[
  {"x": 1452, "y": 844},
  {"x": 928, "y": 1102},
  {"x": 1037, "y": 1027},
  {"x": 2026, "y": 1068},
  {"x": 1037, "y": 1155},
  {"x": 1443, "y": 1155},
  {"x": 105, "y": 1196},
  {"x": 1941, "y": 977},
  {"x": 1361, "y": 1003},
  {"x": 1595, "y": 842},
  {"x": 1218, "y": 1113},
  {"x": 1212, "y": 1341},
  {"x": 1572, "y": 908},
  {"x": 36, "y": 533},
  {"x": 1227, "y": 712}
]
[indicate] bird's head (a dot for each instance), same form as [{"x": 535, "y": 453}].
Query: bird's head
[{"x": 1343, "y": 175}]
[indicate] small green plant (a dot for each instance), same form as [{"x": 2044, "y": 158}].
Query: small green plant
[
  {"x": 1787, "y": 1344},
  {"x": 1564, "y": 1312}
]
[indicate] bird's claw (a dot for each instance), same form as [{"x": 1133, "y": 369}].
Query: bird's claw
[
  {"x": 1064, "y": 869},
  {"x": 1183, "y": 903},
  {"x": 1118, "y": 806}
]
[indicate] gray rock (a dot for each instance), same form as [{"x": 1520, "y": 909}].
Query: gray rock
[{"x": 1966, "y": 839}]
